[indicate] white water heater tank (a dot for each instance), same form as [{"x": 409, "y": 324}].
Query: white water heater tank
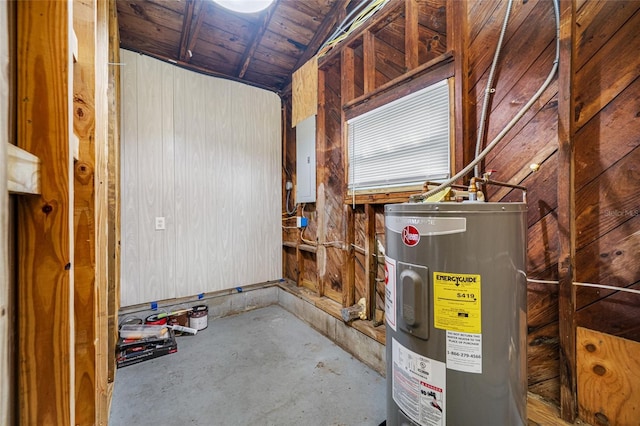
[{"x": 456, "y": 305}]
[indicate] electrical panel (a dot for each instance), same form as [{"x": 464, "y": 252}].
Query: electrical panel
[{"x": 306, "y": 160}]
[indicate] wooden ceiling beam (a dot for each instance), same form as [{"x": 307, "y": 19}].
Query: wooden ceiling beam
[
  {"x": 328, "y": 24},
  {"x": 200, "y": 13},
  {"x": 194, "y": 11},
  {"x": 257, "y": 38},
  {"x": 186, "y": 27}
]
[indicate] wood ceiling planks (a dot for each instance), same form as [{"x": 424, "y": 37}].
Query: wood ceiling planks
[{"x": 262, "y": 49}]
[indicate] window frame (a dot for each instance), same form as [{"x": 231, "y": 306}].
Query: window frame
[{"x": 394, "y": 193}]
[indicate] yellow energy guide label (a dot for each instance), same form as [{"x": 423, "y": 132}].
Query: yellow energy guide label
[{"x": 456, "y": 302}]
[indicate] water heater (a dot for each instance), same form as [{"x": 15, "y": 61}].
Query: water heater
[{"x": 455, "y": 308}]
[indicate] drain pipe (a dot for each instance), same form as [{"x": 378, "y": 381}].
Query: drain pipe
[{"x": 510, "y": 125}]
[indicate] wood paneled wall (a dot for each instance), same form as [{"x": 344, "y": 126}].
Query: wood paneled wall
[
  {"x": 607, "y": 129},
  {"x": 526, "y": 59},
  {"x": 597, "y": 107},
  {"x": 205, "y": 154},
  {"x": 607, "y": 120}
]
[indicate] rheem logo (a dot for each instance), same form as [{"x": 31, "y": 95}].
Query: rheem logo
[{"x": 410, "y": 236}]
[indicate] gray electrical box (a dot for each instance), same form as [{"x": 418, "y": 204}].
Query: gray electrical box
[{"x": 306, "y": 160}]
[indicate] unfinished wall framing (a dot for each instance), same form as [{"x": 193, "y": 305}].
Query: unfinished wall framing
[{"x": 594, "y": 112}]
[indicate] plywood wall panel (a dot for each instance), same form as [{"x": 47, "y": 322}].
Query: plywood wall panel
[
  {"x": 130, "y": 252},
  {"x": 149, "y": 145},
  {"x": 196, "y": 147},
  {"x": 213, "y": 162},
  {"x": 305, "y": 91},
  {"x": 608, "y": 378},
  {"x": 181, "y": 175},
  {"x": 263, "y": 147},
  {"x": 219, "y": 203},
  {"x": 167, "y": 209}
]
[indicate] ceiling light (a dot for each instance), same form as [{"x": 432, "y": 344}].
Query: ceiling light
[{"x": 245, "y": 6}]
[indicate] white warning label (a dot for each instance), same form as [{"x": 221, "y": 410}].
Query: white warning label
[
  {"x": 418, "y": 385},
  {"x": 390, "y": 292},
  {"x": 464, "y": 352}
]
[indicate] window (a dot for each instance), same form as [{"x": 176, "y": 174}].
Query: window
[{"x": 403, "y": 143}]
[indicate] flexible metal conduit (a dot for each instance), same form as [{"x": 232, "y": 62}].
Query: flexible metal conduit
[
  {"x": 513, "y": 121},
  {"x": 489, "y": 90}
]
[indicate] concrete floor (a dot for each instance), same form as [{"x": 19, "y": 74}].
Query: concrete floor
[{"x": 261, "y": 367}]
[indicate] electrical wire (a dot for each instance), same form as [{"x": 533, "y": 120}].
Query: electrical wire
[
  {"x": 489, "y": 90},
  {"x": 513, "y": 121},
  {"x": 336, "y": 244},
  {"x": 311, "y": 243},
  {"x": 357, "y": 247},
  {"x": 342, "y": 25},
  {"x": 602, "y": 286},
  {"x": 608, "y": 287},
  {"x": 369, "y": 10},
  {"x": 287, "y": 201}
]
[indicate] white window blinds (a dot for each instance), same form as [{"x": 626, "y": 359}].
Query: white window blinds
[{"x": 404, "y": 142}]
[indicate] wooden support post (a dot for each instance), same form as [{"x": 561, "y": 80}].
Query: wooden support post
[
  {"x": 84, "y": 209},
  {"x": 113, "y": 292},
  {"x": 566, "y": 215},
  {"x": 457, "y": 41},
  {"x": 7, "y": 104},
  {"x": 347, "y": 83},
  {"x": 321, "y": 179},
  {"x": 369, "y": 59},
  {"x": 90, "y": 119},
  {"x": 349, "y": 258},
  {"x": 411, "y": 34},
  {"x": 101, "y": 214},
  {"x": 347, "y": 89},
  {"x": 299, "y": 257},
  {"x": 371, "y": 262},
  {"x": 45, "y": 223}
]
